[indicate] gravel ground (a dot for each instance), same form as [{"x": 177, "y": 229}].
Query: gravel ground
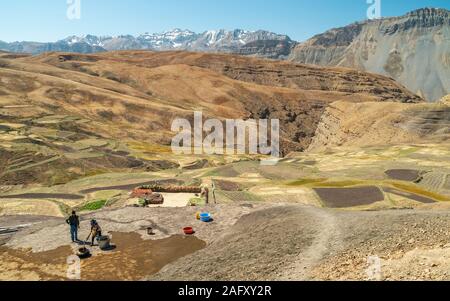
[
  {"x": 390, "y": 236},
  {"x": 307, "y": 243},
  {"x": 263, "y": 241},
  {"x": 166, "y": 222}
]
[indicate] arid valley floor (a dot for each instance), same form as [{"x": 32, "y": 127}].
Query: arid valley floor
[
  {"x": 267, "y": 224},
  {"x": 365, "y": 171}
]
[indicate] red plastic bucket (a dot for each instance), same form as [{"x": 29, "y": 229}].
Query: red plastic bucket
[{"x": 188, "y": 230}]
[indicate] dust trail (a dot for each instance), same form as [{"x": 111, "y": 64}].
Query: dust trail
[{"x": 328, "y": 239}]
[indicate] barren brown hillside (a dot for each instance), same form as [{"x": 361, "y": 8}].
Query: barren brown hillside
[
  {"x": 61, "y": 107},
  {"x": 223, "y": 86},
  {"x": 259, "y": 71}
]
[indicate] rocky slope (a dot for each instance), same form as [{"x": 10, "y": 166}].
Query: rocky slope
[
  {"x": 413, "y": 49},
  {"x": 305, "y": 243},
  {"x": 364, "y": 124}
]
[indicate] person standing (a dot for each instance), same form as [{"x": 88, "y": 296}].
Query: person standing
[
  {"x": 205, "y": 193},
  {"x": 74, "y": 222}
]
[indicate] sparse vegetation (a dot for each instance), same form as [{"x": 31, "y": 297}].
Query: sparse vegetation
[
  {"x": 303, "y": 182},
  {"x": 420, "y": 191},
  {"x": 338, "y": 184},
  {"x": 60, "y": 177},
  {"x": 93, "y": 206},
  {"x": 65, "y": 210},
  {"x": 106, "y": 114}
]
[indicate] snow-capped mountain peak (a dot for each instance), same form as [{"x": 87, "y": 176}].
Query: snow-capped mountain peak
[
  {"x": 180, "y": 39},
  {"x": 239, "y": 41}
]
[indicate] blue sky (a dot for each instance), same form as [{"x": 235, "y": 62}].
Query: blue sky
[{"x": 46, "y": 20}]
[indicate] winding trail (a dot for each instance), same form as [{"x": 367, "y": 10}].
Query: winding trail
[{"x": 328, "y": 240}]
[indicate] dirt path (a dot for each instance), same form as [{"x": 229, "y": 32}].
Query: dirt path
[
  {"x": 279, "y": 243},
  {"x": 328, "y": 239}
]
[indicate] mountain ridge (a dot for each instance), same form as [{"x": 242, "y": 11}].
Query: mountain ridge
[
  {"x": 413, "y": 49},
  {"x": 257, "y": 35},
  {"x": 227, "y": 41}
]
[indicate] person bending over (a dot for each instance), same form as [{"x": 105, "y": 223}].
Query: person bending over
[{"x": 96, "y": 231}]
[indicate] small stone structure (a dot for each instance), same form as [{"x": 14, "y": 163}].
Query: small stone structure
[{"x": 151, "y": 195}]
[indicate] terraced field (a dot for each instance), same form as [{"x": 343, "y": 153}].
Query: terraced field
[
  {"x": 326, "y": 202},
  {"x": 319, "y": 179},
  {"x": 435, "y": 181}
]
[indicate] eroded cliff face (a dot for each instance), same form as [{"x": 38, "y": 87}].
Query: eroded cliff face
[
  {"x": 273, "y": 49},
  {"x": 369, "y": 124},
  {"x": 413, "y": 49}
]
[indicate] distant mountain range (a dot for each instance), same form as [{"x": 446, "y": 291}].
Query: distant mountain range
[
  {"x": 263, "y": 43},
  {"x": 413, "y": 49}
]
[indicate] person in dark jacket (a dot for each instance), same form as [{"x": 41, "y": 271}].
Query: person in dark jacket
[{"x": 74, "y": 222}]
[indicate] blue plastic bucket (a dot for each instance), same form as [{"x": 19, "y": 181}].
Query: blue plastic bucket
[{"x": 205, "y": 217}]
